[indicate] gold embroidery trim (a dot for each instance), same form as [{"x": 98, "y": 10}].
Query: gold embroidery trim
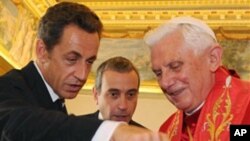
[
  {"x": 172, "y": 131},
  {"x": 213, "y": 118},
  {"x": 189, "y": 134}
]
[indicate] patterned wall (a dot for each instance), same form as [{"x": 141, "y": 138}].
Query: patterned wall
[{"x": 236, "y": 55}]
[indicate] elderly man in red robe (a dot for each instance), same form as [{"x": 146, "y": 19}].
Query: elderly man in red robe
[{"x": 186, "y": 60}]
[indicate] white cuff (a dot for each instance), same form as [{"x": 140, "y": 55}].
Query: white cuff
[{"x": 106, "y": 130}]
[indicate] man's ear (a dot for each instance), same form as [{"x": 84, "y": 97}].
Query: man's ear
[
  {"x": 95, "y": 94},
  {"x": 215, "y": 55},
  {"x": 41, "y": 52}
]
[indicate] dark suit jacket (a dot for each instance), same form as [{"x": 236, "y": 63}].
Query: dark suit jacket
[
  {"x": 95, "y": 116},
  {"x": 28, "y": 113}
]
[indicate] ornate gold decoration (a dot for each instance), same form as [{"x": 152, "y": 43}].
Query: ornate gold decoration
[
  {"x": 244, "y": 35},
  {"x": 7, "y": 62},
  {"x": 131, "y": 19},
  {"x": 172, "y": 131},
  {"x": 218, "y": 120},
  {"x": 189, "y": 134},
  {"x": 38, "y": 7}
]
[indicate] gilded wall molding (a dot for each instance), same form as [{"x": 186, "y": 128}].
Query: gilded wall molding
[
  {"x": 122, "y": 19},
  {"x": 38, "y": 7},
  {"x": 162, "y": 4},
  {"x": 132, "y": 18}
]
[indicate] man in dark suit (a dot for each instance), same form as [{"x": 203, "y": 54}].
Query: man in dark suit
[
  {"x": 31, "y": 99},
  {"x": 116, "y": 90}
]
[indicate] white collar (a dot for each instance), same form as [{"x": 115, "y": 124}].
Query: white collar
[
  {"x": 53, "y": 95},
  {"x": 100, "y": 115},
  {"x": 195, "y": 110}
]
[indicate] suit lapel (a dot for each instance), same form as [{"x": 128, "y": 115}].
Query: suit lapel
[{"x": 37, "y": 86}]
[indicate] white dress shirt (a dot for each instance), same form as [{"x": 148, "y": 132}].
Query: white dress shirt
[{"x": 105, "y": 130}]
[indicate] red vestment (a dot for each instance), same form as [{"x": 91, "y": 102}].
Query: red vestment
[{"x": 227, "y": 103}]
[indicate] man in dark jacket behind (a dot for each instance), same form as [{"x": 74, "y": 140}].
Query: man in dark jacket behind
[{"x": 116, "y": 90}]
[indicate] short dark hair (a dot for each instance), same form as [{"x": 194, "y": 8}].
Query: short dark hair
[
  {"x": 52, "y": 24},
  {"x": 118, "y": 64}
]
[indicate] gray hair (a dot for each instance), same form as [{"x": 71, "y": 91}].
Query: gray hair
[{"x": 197, "y": 34}]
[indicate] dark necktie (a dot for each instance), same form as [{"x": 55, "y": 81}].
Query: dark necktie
[{"x": 61, "y": 105}]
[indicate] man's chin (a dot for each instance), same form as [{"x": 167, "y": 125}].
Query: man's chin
[
  {"x": 121, "y": 119},
  {"x": 71, "y": 95}
]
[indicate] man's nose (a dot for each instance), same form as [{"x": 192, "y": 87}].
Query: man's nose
[
  {"x": 82, "y": 71},
  {"x": 123, "y": 103},
  {"x": 167, "y": 80}
]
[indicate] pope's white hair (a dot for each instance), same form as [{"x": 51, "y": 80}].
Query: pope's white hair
[{"x": 196, "y": 33}]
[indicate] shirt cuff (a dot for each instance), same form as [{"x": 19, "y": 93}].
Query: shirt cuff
[{"x": 106, "y": 130}]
